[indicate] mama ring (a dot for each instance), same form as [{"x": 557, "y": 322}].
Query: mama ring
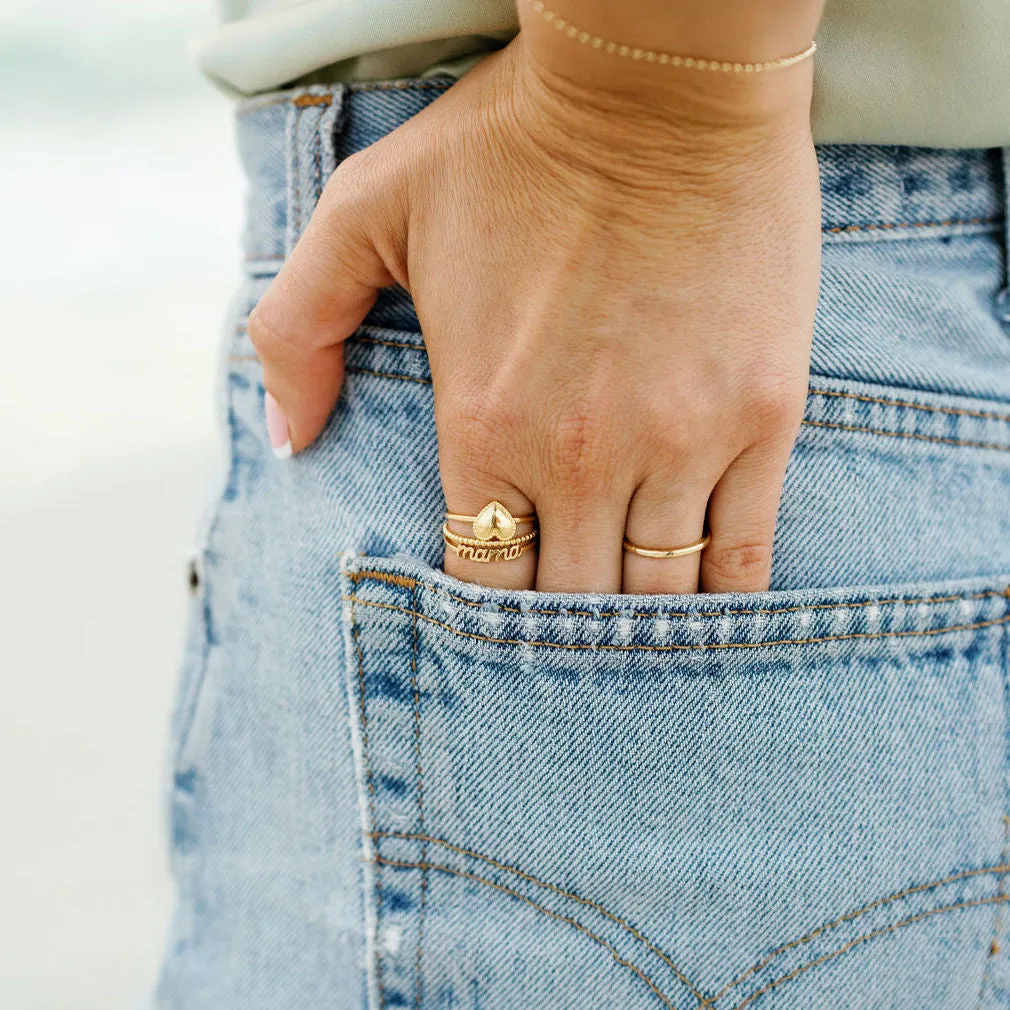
[{"x": 486, "y": 551}]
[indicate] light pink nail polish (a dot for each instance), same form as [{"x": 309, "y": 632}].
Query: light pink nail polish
[{"x": 277, "y": 428}]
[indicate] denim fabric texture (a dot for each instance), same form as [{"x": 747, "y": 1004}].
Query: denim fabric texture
[{"x": 392, "y": 789}]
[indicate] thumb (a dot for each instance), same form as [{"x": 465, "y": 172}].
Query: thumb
[{"x": 350, "y": 249}]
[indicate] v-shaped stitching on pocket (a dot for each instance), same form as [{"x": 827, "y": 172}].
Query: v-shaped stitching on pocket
[
  {"x": 998, "y": 899},
  {"x": 850, "y": 917},
  {"x": 574, "y": 923},
  {"x": 623, "y": 923},
  {"x": 707, "y": 1001}
]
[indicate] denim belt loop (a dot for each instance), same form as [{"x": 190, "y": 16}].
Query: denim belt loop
[
  {"x": 313, "y": 115},
  {"x": 1003, "y": 299}
]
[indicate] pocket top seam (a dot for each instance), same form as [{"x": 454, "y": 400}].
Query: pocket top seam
[
  {"x": 681, "y": 646},
  {"x": 407, "y": 582}
]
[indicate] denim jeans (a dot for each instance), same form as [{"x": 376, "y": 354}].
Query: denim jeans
[{"x": 392, "y": 789}]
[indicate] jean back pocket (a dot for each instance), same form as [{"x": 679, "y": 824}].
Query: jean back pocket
[{"x": 794, "y": 797}]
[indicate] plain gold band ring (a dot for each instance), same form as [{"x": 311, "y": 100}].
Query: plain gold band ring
[{"x": 672, "y": 552}]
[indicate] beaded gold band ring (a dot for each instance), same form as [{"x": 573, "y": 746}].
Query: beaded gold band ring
[
  {"x": 456, "y": 538},
  {"x": 669, "y": 552}
]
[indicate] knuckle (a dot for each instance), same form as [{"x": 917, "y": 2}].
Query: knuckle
[
  {"x": 477, "y": 431},
  {"x": 673, "y": 439},
  {"x": 739, "y": 563},
  {"x": 777, "y": 406},
  {"x": 263, "y": 331},
  {"x": 354, "y": 177},
  {"x": 359, "y": 204},
  {"x": 680, "y": 416},
  {"x": 576, "y": 453},
  {"x": 568, "y": 447}
]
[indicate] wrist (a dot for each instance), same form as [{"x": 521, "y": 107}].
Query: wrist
[
  {"x": 620, "y": 66},
  {"x": 629, "y": 160},
  {"x": 643, "y": 137}
]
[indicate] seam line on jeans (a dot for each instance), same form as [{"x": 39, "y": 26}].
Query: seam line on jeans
[
  {"x": 983, "y": 414},
  {"x": 851, "y": 916},
  {"x": 410, "y": 85},
  {"x": 355, "y": 635},
  {"x": 997, "y": 926},
  {"x": 845, "y": 948},
  {"x": 938, "y": 439},
  {"x": 420, "y": 805},
  {"x": 682, "y": 647},
  {"x": 1001, "y": 869},
  {"x": 387, "y": 375},
  {"x": 296, "y": 161},
  {"x": 406, "y": 582},
  {"x": 242, "y": 329},
  {"x": 317, "y": 152},
  {"x": 623, "y": 923},
  {"x": 998, "y": 446},
  {"x": 825, "y": 230},
  {"x": 967, "y": 443},
  {"x": 574, "y": 923},
  {"x": 349, "y": 370},
  {"x": 403, "y": 344},
  {"x": 897, "y": 225},
  {"x": 989, "y": 415}
]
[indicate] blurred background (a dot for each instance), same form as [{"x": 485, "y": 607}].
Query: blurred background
[{"x": 119, "y": 211}]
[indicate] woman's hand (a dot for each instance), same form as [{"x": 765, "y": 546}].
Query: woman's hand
[{"x": 617, "y": 296}]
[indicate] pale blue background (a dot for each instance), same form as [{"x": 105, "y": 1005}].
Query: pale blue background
[{"x": 119, "y": 216}]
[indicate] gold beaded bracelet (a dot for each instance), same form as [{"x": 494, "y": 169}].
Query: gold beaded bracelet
[{"x": 665, "y": 59}]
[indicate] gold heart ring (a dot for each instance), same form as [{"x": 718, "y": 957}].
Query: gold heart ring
[{"x": 493, "y": 522}]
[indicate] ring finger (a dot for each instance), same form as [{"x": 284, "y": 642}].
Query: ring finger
[{"x": 664, "y": 517}]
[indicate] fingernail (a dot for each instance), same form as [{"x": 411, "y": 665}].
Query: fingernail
[{"x": 277, "y": 428}]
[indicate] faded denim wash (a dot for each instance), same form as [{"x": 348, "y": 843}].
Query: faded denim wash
[{"x": 391, "y": 789}]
